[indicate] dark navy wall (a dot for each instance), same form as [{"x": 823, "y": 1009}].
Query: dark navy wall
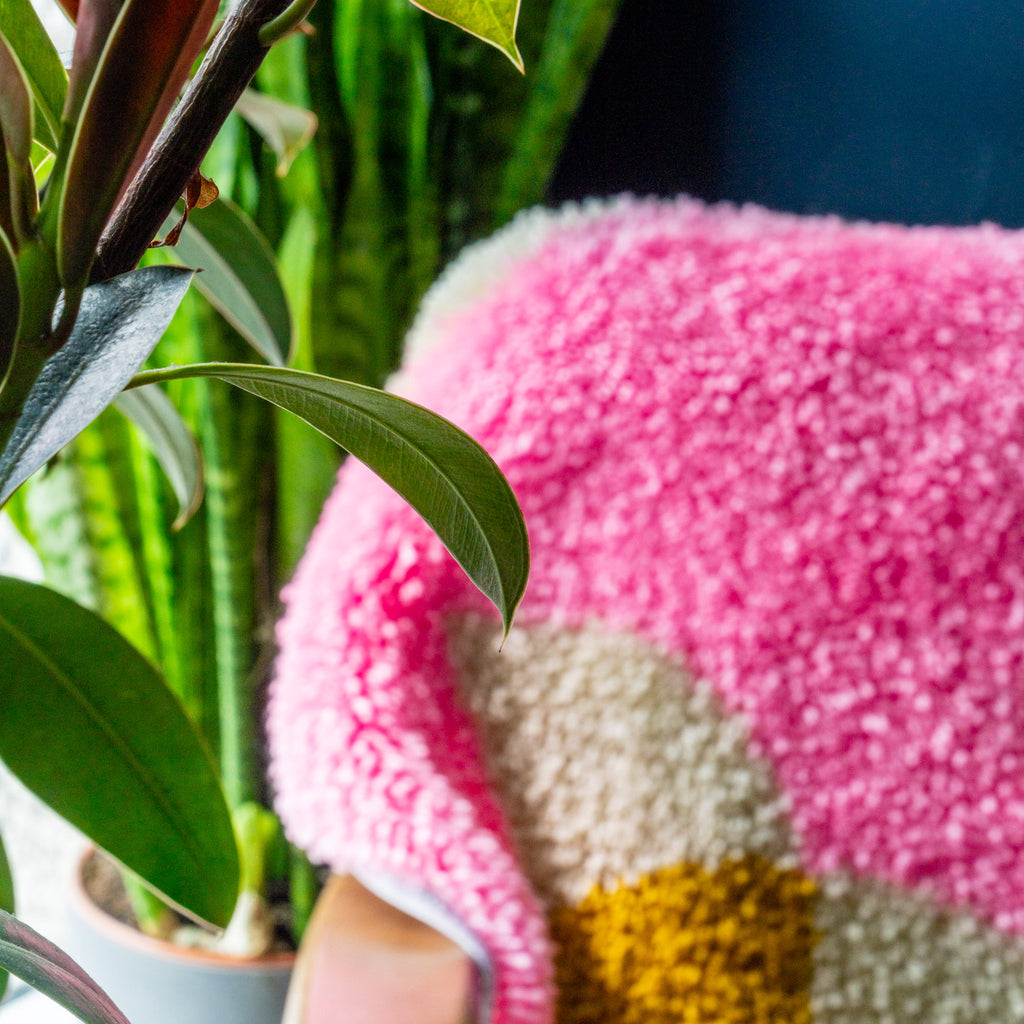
[{"x": 909, "y": 110}]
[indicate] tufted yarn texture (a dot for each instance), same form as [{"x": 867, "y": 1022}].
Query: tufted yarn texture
[{"x": 755, "y": 749}]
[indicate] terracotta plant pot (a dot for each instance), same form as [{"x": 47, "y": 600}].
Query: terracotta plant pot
[{"x": 155, "y": 982}]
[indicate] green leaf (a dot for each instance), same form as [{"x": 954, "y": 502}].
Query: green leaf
[
  {"x": 50, "y": 970},
  {"x": 119, "y": 323},
  {"x": 92, "y": 729},
  {"x": 306, "y": 462},
  {"x": 10, "y": 303},
  {"x": 573, "y": 39},
  {"x": 493, "y": 21},
  {"x": 285, "y": 128},
  {"x": 46, "y": 76},
  {"x": 235, "y": 437},
  {"x": 239, "y": 275},
  {"x": 441, "y": 471},
  {"x": 173, "y": 445}
]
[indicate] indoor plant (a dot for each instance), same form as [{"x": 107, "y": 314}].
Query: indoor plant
[
  {"x": 75, "y": 325},
  {"x": 502, "y": 133}
]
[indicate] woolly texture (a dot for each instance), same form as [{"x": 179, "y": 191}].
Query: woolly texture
[{"x": 771, "y": 469}]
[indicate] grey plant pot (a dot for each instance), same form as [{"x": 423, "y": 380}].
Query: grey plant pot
[{"x": 155, "y": 982}]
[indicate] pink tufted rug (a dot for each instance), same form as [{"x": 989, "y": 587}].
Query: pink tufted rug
[{"x": 755, "y": 749}]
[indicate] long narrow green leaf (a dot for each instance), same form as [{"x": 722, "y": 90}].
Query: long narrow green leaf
[
  {"x": 306, "y": 462},
  {"x": 101, "y": 472},
  {"x": 172, "y": 443},
  {"x": 50, "y": 970},
  {"x": 46, "y": 75},
  {"x": 239, "y": 276},
  {"x": 235, "y": 432},
  {"x": 493, "y": 21},
  {"x": 184, "y": 624},
  {"x": 92, "y": 729},
  {"x": 379, "y": 249},
  {"x": 119, "y": 323},
  {"x": 573, "y": 40},
  {"x": 441, "y": 471}
]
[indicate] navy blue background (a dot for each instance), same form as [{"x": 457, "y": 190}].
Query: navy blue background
[{"x": 906, "y": 110}]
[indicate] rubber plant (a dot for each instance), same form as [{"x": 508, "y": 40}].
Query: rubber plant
[{"x": 89, "y": 723}]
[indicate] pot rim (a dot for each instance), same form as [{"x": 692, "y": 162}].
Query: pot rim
[{"x": 92, "y": 915}]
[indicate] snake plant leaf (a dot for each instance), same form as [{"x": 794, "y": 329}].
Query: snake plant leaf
[
  {"x": 142, "y": 67},
  {"x": 286, "y": 128},
  {"x": 16, "y": 123},
  {"x": 173, "y": 445},
  {"x": 493, "y": 21},
  {"x": 94, "y": 731},
  {"x": 573, "y": 39},
  {"x": 10, "y": 302},
  {"x": 119, "y": 323},
  {"x": 6, "y": 901},
  {"x": 239, "y": 275},
  {"x": 48, "y": 969},
  {"x": 41, "y": 63},
  {"x": 437, "y": 468}
]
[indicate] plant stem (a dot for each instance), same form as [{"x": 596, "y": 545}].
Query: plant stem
[
  {"x": 40, "y": 289},
  {"x": 227, "y": 69}
]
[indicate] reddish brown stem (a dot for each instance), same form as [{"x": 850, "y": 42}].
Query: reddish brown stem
[{"x": 228, "y": 68}]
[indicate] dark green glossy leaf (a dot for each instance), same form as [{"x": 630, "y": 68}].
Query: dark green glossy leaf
[
  {"x": 46, "y": 75},
  {"x": 92, "y": 729},
  {"x": 173, "y": 445},
  {"x": 50, "y": 970},
  {"x": 118, "y": 324},
  {"x": 493, "y": 21},
  {"x": 441, "y": 471},
  {"x": 10, "y": 302},
  {"x": 239, "y": 275}
]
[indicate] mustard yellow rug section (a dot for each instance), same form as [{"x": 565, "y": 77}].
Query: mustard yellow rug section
[{"x": 685, "y": 945}]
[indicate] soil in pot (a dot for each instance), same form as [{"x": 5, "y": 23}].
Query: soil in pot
[{"x": 157, "y": 982}]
